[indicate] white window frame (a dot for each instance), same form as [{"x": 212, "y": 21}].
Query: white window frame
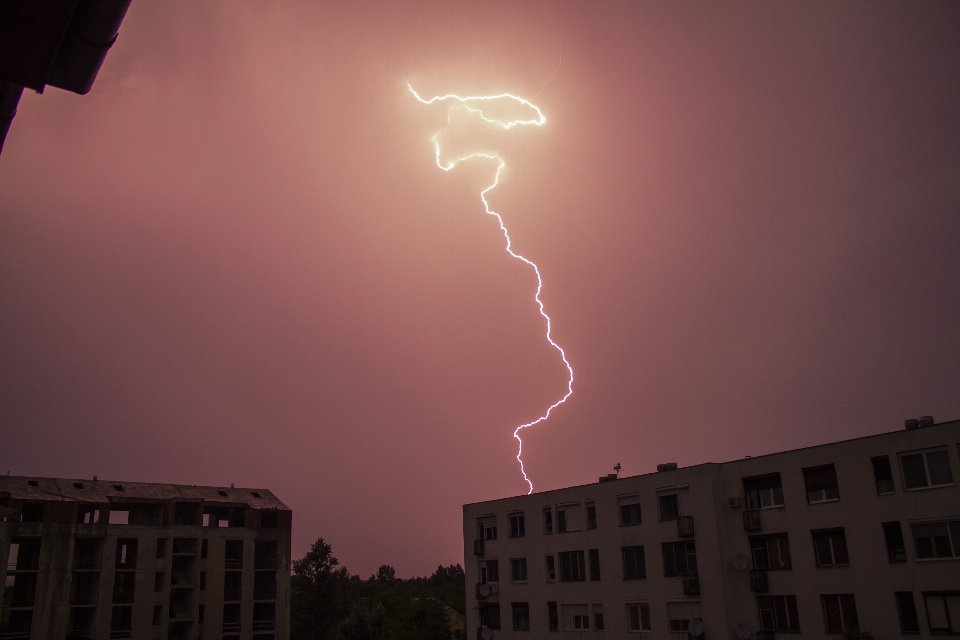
[
  {"x": 640, "y": 606},
  {"x": 926, "y": 468}
]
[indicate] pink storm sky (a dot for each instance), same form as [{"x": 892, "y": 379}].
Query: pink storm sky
[{"x": 236, "y": 261}]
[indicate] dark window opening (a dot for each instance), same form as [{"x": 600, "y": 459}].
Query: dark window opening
[
  {"x": 126, "y": 553},
  {"x": 265, "y": 554},
  {"x": 821, "y": 483},
  {"x": 232, "y": 585},
  {"x": 572, "y": 567},
  {"x": 518, "y": 569},
  {"x": 883, "y": 474},
  {"x": 551, "y": 568},
  {"x": 553, "y": 616},
  {"x": 907, "y": 612},
  {"x": 763, "y": 492},
  {"x": 839, "y": 613},
  {"x": 161, "y": 548},
  {"x": 679, "y": 558},
  {"x": 770, "y": 552},
  {"x": 233, "y": 555},
  {"x": 778, "y": 613},
  {"x": 158, "y": 581},
  {"x": 187, "y": 513},
  {"x": 123, "y": 586},
  {"x": 121, "y": 622},
  {"x": 78, "y": 485},
  {"x": 591, "y": 516},
  {"x": 265, "y": 585},
  {"x": 490, "y": 616},
  {"x": 547, "y": 520},
  {"x": 669, "y": 507},
  {"x": 269, "y": 519},
  {"x": 32, "y": 512},
  {"x": 932, "y": 539},
  {"x": 517, "y": 525},
  {"x": 831, "y": 548},
  {"x": 594, "y": 564},
  {"x": 157, "y": 614},
  {"x": 634, "y": 563},
  {"x": 521, "y": 616},
  {"x": 896, "y": 549}
]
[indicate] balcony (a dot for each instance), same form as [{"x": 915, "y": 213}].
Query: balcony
[
  {"x": 183, "y": 580},
  {"x": 751, "y": 520},
  {"x": 685, "y": 526},
  {"x": 478, "y": 547},
  {"x": 264, "y": 625},
  {"x": 231, "y": 627},
  {"x": 758, "y": 581},
  {"x": 691, "y": 585},
  {"x": 486, "y": 590}
]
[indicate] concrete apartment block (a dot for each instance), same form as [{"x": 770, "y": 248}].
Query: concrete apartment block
[
  {"x": 857, "y": 534},
  {"x": 102, "y": 559}
]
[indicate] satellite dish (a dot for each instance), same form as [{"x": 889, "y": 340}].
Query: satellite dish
[
  {"x": 484, "y": 590},
  {"x": 696, "y": 626},
  {"x": 486, "y": 633},
  {"x": 740, "y": 561},
  {"x": 743, "y": 631}
]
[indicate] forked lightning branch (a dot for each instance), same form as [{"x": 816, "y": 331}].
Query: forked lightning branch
[{"x": 475, "y": 105}]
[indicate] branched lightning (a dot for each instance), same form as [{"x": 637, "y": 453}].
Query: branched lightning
[{"x": 474, "y": 104}]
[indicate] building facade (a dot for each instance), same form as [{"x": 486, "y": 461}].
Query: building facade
[
  {"x": 862, "y": 534},
  {"x": 98, "y": 559}
]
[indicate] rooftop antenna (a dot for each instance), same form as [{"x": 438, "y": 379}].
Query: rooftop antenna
[{"x": 617, "y": 469}]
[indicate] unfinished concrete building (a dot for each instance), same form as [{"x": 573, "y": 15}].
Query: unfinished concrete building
[{"x": 107, "y": 559}]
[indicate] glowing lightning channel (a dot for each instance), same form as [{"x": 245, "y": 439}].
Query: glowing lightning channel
[{"x": 508, "y": 124}]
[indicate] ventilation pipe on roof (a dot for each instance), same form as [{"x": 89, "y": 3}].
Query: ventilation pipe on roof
[{"x": 926, "y": 421}]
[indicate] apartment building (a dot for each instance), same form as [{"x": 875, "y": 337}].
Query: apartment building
[
  {"x": 861, "y": 534},
  {"x": 99, "y": 559}
]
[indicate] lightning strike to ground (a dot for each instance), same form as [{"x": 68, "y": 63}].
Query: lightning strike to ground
[{"x": 473, "y": 104}]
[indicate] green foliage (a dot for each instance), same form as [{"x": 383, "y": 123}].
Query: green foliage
[{"x": 327, "y": 603}]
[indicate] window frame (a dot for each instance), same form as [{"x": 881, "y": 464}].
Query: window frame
[
  {"x": 884, "y": 459},
  {"x": 892, "y": 553},
  {"x": 518, "y": 531},
  {"x": 515, "y": 564},
  {"x": 809, "y": 478},
  {"x": 515, "y": 614},
  {"x": 631, "y": 553},
  {"x": 831, "y": 535},
  {"x": 575, "y": 562},
  {"x": 783, "y": 551},
  {"x": 775, "y": 492},
  {"x": 789, "y": 610},
  {"x": 952, "y": 526},
  {"x": 924, "y": 456},
  {"x": 643, "y": 617},
  {"x": 629, "y": 507},
  {"x": 954, "y": 628},
  {"x": 842, "y": 599},
  {"x": 899, "y": 598}
]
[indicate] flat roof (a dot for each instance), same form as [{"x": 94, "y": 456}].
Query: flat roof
[
  {"x": 702, "y": 464},
  {"x": 102, "y": 491}
]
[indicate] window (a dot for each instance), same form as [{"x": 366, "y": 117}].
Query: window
[
  {"x": 203, "y": 581},
  {"x": 679, "y": 615},
  {"x": 121, "y": 622},
  {"x": 517, "y": 528},
  {"x": 521, "y": 616},
  {"x": 158, "y": 581},
  {"x": 233, "y": 555},
  {"x": 933, "y": 539},
  {"x": 161, "y": 548},
  {"x": 598, "y": 617},
  {"x": 883, "y": 474},
  {"x": 203, "y": 549},
  {"x": 232, "y": 585},
  {"x": 907, "y": 611},
  {"x": 118, "y": 516},
  {"x": 572, "y": 566},
  {"x": 490, "y": 616},
  {"x": 547, "y": 520},
  {"x": 265, "y": 555},
  {"x": 669, "y": 506},
  {"x": 574, "y": 617},
  {"x": 569, "y": 518},
  {"x": 551, "y": 568},
  {"x": 839, "y": 612},
  {"x": 638, "y": 617},
  {"x": 763, "y": 492},
  {"x": 489, "y": 571},
  {"x": 821, "y": 484},
  {"x": 629, "y": 510},
  {"x": 157, "y": 614},
  {"x": 591, "y": 515},
  {"x": 553, "y": 616},
  {"x": 778, "y": 613},
  {"x": 126, "y": 553},
  {"x": 32, "y": 512},
  {"x": 896, "y": 550},
  {"x": 634, "y": 563},
  {"x": 594, "y": 555},
  {"x": 201, "y": 610},
  {"x": 487, "y": 528},
  {"x": 518, "y": 569},
  {"x": 231, "y": 618},
  {"x": 679, "y": 558},
  {"x": 770, "y": 552},
  {"x": 831, "y": 548},
  {"x": 926, "y": 469},
  {"x": 942, "y": 609}
]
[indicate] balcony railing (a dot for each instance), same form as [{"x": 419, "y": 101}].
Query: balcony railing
[
  {"x": 478, "y": 547},
  {"x": 758, "y": 581},
  {"x": 264, "y": 625},
  {"x": 751, "y": 520},
  {"x": 183, "y": 580},
  {"x": 691, "y": 585},
  {"x": 231, "y": 627},
  {"x": 233, "y": 564},
  {"x": 685, "y": 526}
]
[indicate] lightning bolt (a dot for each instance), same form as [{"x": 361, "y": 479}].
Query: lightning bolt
[{"x": 474, "y": 104}]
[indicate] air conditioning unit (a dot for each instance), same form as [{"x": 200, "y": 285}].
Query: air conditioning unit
[{"x": 735, "y": 502}]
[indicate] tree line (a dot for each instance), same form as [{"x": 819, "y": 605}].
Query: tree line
[{"x": 328, "y": 603}]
